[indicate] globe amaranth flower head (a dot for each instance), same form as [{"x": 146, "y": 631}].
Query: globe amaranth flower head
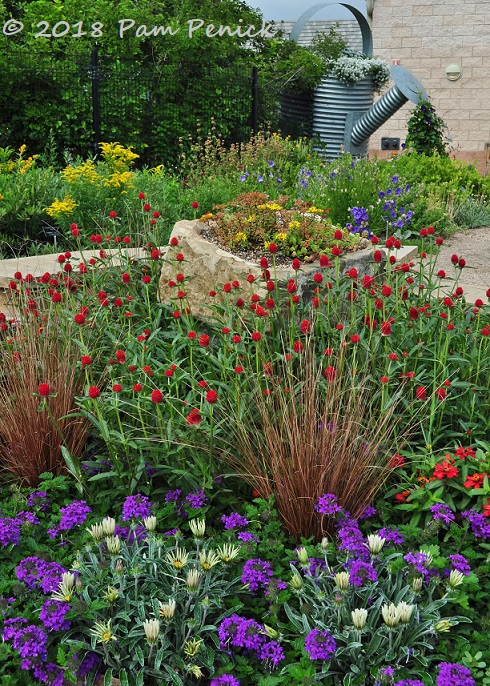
[
  {"x": 136, "y": 507},
  {"x": 234, "y": 521},
  {"x": 443, "y": 513},
  {"x": 256, "y": 573},
  {"x": 327, "y": 505},
  {"x": 452, "y": 674},
  {"x": 320, "y": 645}
]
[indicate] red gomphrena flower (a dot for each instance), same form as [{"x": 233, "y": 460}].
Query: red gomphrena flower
[
  {"x": 156, "y": 396},
  {"x": 82, "y": 268},
  {"x": 393, "y": 259},
  {"x": 79, "y": 318},
  {"x": 355, "y": 338},
  {"x": 305, "y": 326},
  {"x": 146, "y": 207},
  {"x": 236, "y": 338},
  {"x": 44, "y": 390},
  {"x": 211, "y": 397},
  {"x": 204, "y": 340},
  {"x": 454, "y": 259},
  {"x": 461, "y": 263},
  {"x": 155, "y": 254},
  {"x": 352, "y": 273},
  {"x": 132, "y": 368},
  {"x": 177, "y": 314},
  {"x": 270, "y": 303},
  {"x": 240, "y": 303},
  {"x": 45, "y": 278},
  {"x": 256, "y": 336},
  {"x": 18, "y": 276},
  {"x": 397, "y": 243},
  {"x": 318, "y": 277},
  {"x": 440, "y": 394},
  {"x": 338, "y": 235},
  {"x": 195, "y": 205},
  {"x": 478, "y": 302},
  {"x": 156, "y": 215},
  {"x": 430, "y": 230},
  {"x": 336, "y": 252},
  {"x": 273, "y": 248},
  {"x": 137, "y": 387},
  {"x": 56, "y": 297},
  {"x": 386, "y": 291},
  {"x": 120, "y": 356},
  {"x": 264, "y": 263},
  {"x": 67, "y": 267},
  {"x": 324, "y": 261},
  {"x": 117, "y": 388},
  {"x": 202, "y": 383},
  {"x": 270, "y": 286},
  {"x": 250, "y": 278},
  {"x": 441, "y": 274},
  {"x": 485, "y": 331},
  {"x": 297, "y": 346},
  {"x": 179, "y": 257},
  {"x": 75, "y": 231},
  {"x": 377, "y": 256},
  {"x": 194, "y": 417},
  {"x": 413, "y": 313},
  {"x": 367, "y": 281},
  {"x": 141, "y": 196},
  {"x": 439, "y": 240},
  {"x": 450, "y": 326},
  {"x": 238, "y": 369},
  {"x": 384, "y": 379},
  {"x": 235, "y": 284},
  {"x": 227, "y": 288},
  {"x": 291, "y": 287},
  {"x": 94, "y": 392},
  {"x": 330, "y": 373},
  {"x": 390, "y": 242},
  {"x": 174, "y": 241},
  {"x": 181, "y": 294},
  {"x": 112, "y": 214},
  {"x": 295, "y": 299},
  {"x": 126, "y": 278},
  {"x": 339, "y": 326},
  {"x": 146, "y": 279},
  {"x": 421, "y": 393},
  {"x": 423, "y": 233},
  {"x": 296, "y": 264},
  {"x": 61, "y": 259},
  {"x": 86, "y": 360},
  {"x": 168, "y": 373}
]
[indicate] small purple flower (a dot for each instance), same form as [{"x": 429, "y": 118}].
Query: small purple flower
[
  {"x": 49, "y": 673},
  {"x": 197, "y": 499},
  {"x": 442, "y": 512},
  {"x": 260, "y": 179},
  {"x": 327, "y": 505},
  {"x": 271, "y": 653},
  {"x": 73, "y": 515},
  {"x": 9, "y": 531},
  {"x": 246, "y": 537},
  {"x": 451, "y": 674},
  {"x": 52, "y": 615},
  {"x": 89, "y": 662},
  {"x": 478, "y": 524},
  {"x": 25, "y": 517},
  {"x": 409, "y": 682},
  {"x": 368, "y": 512},
  {"x": 234, "y": 521},
  {"x": 136, "y": 507},
  {"x": 352, "y": 540},
  {"x": 225, "y": 679},
  {"x": 360, "y": 572},
  {"x": 12, "y": 626},
  {"x": 30, "y": 571},
  {"x": 391, "y": 535},
  {"x": 172, "y": 496},
  {"x": 256, "y": 573},
  {"x": 460, "y": 563},
  {"x": 31, "y": 642},
  {"x": 39, "y": 500},
  {"x": 320, "y": 645},
  {"x": 419, "y": 562}
]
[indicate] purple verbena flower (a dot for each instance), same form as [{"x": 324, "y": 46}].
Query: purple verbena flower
[
  {"x": 478, "y": 524},
  {"x": 234, "y": 521},
  {"x": 352, "y": 541},
  {"x": 271, "y": 653},
  {"x": 9, "y": 531},
  {"x": 52, "y": 615},
  {"x": 442, "y": 512},
  {"x": 409, "y": 682},
  {"x": 320, "y": 645},
  {"x": 360, "y": 572},
  {"x": 49, "y": 673},
  {"x": 89, "y": 662},
  {"x": 256, "y": 573},
  {"x": 31, "y": 642},
  {"x": 25, "y": 517},
  {"x": 172, "y": 496},
  {"x": 451, "y": 674},
  {"x": 12, "y": 626},
  {"x": 369, "y": 511},
  {"x": 225, "y": 679},
  {"x": 327, "y": 505},
  {"x": 73, "y": 515},
  {"x": 246, "y": 536},
  {"x": 460, "y": 563},
  {"x": 39, "y": 500},
  {"x": 391, "y": 535},
  {"x": 197, "y": 499},
  {"x": 136, "y": 507}
]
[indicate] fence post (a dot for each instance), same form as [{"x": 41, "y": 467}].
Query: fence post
[
  {"x": 255, "y": 99},
  {"x": 96, "y": 101}
]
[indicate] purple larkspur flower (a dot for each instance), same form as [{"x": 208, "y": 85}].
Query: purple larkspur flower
[
  {"x": 53, "y": 613},
  {"x": 327, "y": 505},
  {"x": 391, "y": 535},
  {"x": 256, "y": 573},
  {"x": 452, "y": 674},
  {"x": 31, "y": 642},
  {"x": 74, "y": 514},
  {"x": 9, "y": 531},
  {"x": 234, "y": 521},
  {"x": 246, "y": 537},
  {"x": 136, "y": 507},
  {"x": 360, "y": 572},
  {"x": 39, "y": 500},
  {"x": 225, "y": 679},
  {"x": 460, "y": 563},
  {"x": 320, "y": 645},
  {"x": 271, "y": 653},
  {"x": 197, "y": 499},
  {"x": 442, "y": 512}
]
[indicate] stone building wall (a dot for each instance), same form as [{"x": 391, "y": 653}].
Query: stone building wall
[{"x": 427, "y": 37}]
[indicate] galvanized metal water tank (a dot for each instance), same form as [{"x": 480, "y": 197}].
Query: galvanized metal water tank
[{"x": 333, "y": 100}]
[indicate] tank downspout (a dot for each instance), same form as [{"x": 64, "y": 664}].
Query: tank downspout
[{"x": 359, "y": 126}]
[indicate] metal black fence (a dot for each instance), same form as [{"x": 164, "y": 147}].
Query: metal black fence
[{"x": 77, "y": 104}]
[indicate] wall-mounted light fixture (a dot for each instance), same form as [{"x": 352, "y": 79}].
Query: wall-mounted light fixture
[{"x": 453, "y": 72}]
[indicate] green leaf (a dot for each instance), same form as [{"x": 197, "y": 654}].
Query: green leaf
[
  {"x": 123, "y": 678},
  {"x": 108, "y": 678}
]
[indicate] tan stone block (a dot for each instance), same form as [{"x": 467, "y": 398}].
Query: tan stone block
[
  {"x": 453, "y": 19},
  {"x": 425, "y": 10},
  {"x": 471, "y": 62},
  {"x": 476, "y": 40},
  {"x": 481, "y": 51}
]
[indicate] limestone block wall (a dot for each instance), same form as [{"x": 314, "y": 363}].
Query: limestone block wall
[{"x": 427, "y": 37}]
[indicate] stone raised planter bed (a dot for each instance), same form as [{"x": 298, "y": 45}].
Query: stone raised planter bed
[{"x": 210, "y": 267}]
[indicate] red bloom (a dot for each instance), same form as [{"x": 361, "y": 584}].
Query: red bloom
[
  {"x": 486, "y": 509},
  {"x": 384, "y": 379},
  {"x": 264, "y": 262},
  {"x": 402, "y": 497},
  {"x": 296, "y": 264},
  {"x": 337, "y": 234},
  {"x": 112, "y": 214},
  {"x": 120, "y": 356},
  {"x": 318, "y": 277},
  {"x": 79, "y": 318},
  {"x": 211, "y": 397},
  {"x": 474, "y": 481},
  {"x": 377, "y": 256},
  {"x": 355, "y": 338},
  {"x": 227, "y": 288},
  {"x": 86, "y": 359},
  {"x": 446, "y": 469},
  {"x": 396, "y": 461},
  {"x": 194, "y": 417},
  {"x": 273, "y": 248},
  {"x": 352, "y": 273},
  {"x": 324, "y": 261},
  {"x": 421, "y": 393},
  {"x": 146, "y": 207},
  {"x": 250, "y": 278},
  {"x": 238, "y": 369},
  {"x": 204, "y": 340},
  {"x": 56, "y": 297},
  {"x": 441, "y": 394},
  {"x": 297, "y": 346},
  {"x": 168, "y": 373},
  {"x": 174, "y": 241},
  {"x": 454, "y": 259},
  {"x": 93, "y": 392},
  {"x": 141, "y": 196},
  {"x": 156, "y": 396},
  {"x": 137, "y": 387},
  {"x": 386, "y": 291},
  {"x": 336, "y": 252},
  {"x": 256, "y": 336},
  {"x": 305, "y": 326},
  {"x": 195, "y": 205},
  {"x": 385, "y": 328},
  {"x": 179, "y": 257},
  {"x": 44, "y": 390},
  {"x": 413, "y": 313},
  {"x": 117, "y": 388},
  {"x": 330, "y": 373},
  {"x": 236, "y": 338}
]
